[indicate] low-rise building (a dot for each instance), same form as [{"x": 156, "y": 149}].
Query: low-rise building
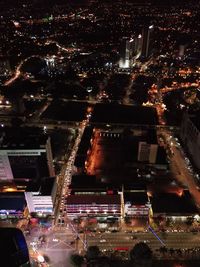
[
  {"x": 92, "y": 198},
  {"x": 93, "y": 206},
  {"x": 25, "y": 154},
  {"x": 40, "y": 198},
  {"x": 12, "y": 205},
  {"x": 177, "y": 206},
  {"x": 190, "y": 136},
  {"x": 136, "y": 204}
]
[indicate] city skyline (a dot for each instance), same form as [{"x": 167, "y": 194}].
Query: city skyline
[{"x": 100, "y": 130}]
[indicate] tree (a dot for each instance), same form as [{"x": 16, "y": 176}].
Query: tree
[
  {"x": 141, "y": 255},
  {"x": 92, "y": 252},
  {"x": 168, "y": 222},
  {"x": 100, "y": 262},
  {"x": 33, "y": 65},
  {"x": 76, "y": 260},
  {"x": 189, "y": 221},
  {"x": 171, "y": 250},
  {"x": 163, "y": 250}
]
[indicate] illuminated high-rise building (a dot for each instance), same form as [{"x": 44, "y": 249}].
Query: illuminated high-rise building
[
  {"x": 138, "y": 45},
  {"x": 146, "y": 34},
  {"x": 126, "y": 53}
]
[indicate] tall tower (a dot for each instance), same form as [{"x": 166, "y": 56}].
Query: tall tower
[
  {"x": 138, "y": 46},
  {"x": 181, "y": 50},
  {"x": 126, "y": 53},
  {"x": 146, "y": 34}
]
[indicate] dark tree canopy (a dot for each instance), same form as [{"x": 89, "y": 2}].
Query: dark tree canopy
[
  {"x": 92, "y": 252},
  {"x": 141, "y": 255},
  {"x": 76, "y": 260},
  {"x": 33, "y": 65}
]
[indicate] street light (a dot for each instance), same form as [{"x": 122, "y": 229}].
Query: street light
[
  {"x": 45, "y": 129},
  {"x": 40, "y": 258}
]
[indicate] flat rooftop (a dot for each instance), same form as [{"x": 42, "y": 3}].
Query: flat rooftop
[
  {"x": 22, "y": 138},
  {"x": 121, "y": 114},
  {"x": 138, "y": 186},
  {"x": 83, "y": 180},
  {"x": 115, "y": 155},
  {"x": 12, "y": 201},
  {"x": 90, "y": 199},
  {"x": 86, "y": 183},
  {"x": 44, "y": 186},
  {"x": 136, "y": 198},
  {"x": 173, "y": 203},
  {"x": 66, "y": 111}
]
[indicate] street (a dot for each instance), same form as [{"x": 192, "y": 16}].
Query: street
[
  {"x": 179, "y": 167},
  {"x": 124, "y": 240},
  {"x": 55, "y": 244}
]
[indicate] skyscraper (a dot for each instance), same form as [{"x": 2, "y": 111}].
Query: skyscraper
[
  {"x": 138, "y": 46},
  {"x": 126, "y": 53},
  {"x": 146, "y": 34}
]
